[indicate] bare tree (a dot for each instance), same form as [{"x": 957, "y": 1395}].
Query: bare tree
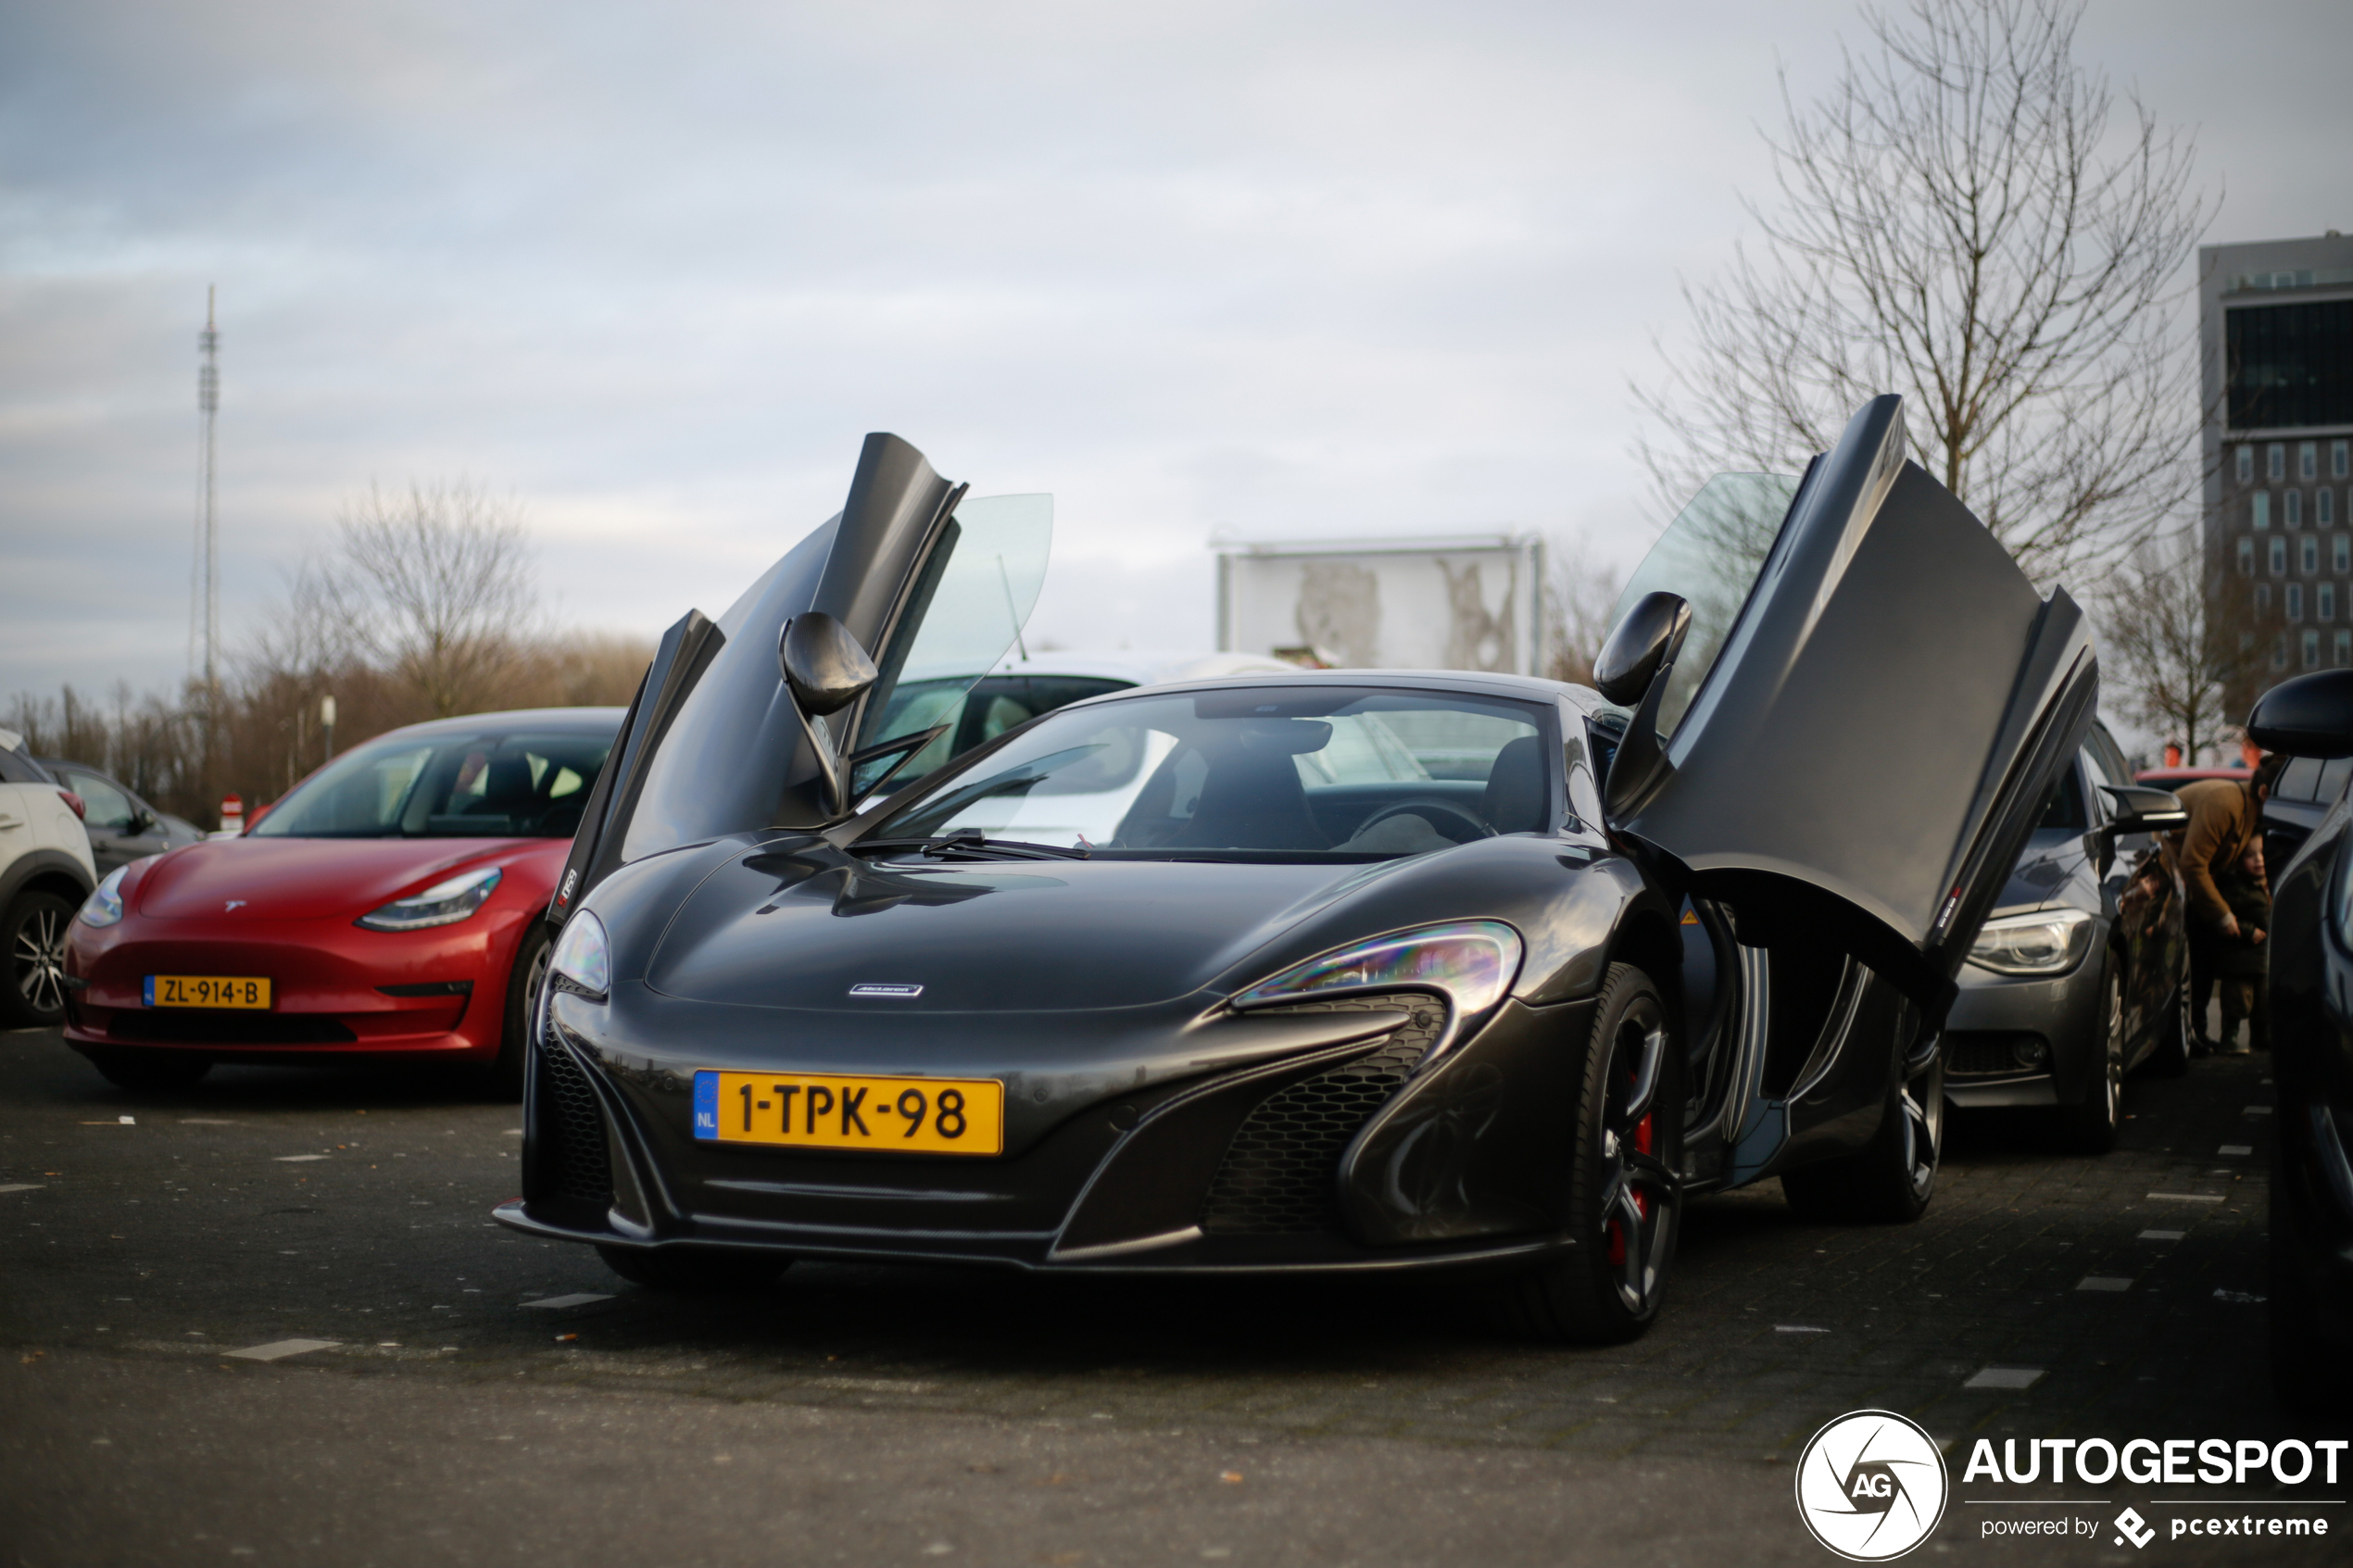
[
  {"x": 436, "y": 584},
  {"x": 1579, "y": 599},
  {"x": 2184, "y": 647},
  {"x": 1957, "y": 222}
]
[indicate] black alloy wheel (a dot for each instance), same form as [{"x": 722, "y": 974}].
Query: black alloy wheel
[
  {"x": 2090, "y": 1127},
  {"x": 1624, "y": 1202},
  {"x": 34, "y": 940},
  {"x": 1889, "y": 1180},
  {"x": 150, "y": 1071},
  {"x": 2170, "y": 1057},
  {"x": 524, "y": 981},
  {"x": 696, "y": 1273}
]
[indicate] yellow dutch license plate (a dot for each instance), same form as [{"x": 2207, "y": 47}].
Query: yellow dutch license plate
[
  {"x": 208, "y": 991},
  {"x": 836, "y": 1111}
]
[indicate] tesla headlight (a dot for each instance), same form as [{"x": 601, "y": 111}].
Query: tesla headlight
[
  {"x": 1471, "y": 961},
  {"x": 2046, "y": 942},
  {"x": 582, "y": 962},
  {"x": 445, "y": 903},
  {"x": 104, "y": 907}
]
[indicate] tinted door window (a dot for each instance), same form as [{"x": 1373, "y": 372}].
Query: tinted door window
[
  {"x": 2300, "y": 779},
  {"x": 109, "y": 810}
]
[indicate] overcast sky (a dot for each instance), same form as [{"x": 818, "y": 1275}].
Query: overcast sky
[{"x": 1266, "y": 271}]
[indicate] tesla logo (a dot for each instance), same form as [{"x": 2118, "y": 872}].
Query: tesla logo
[
  {"x": 2133, "y": 1528},
  {"x": 234, "y": 903}
]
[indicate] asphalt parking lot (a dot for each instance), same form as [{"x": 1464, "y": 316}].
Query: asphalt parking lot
[{"x": 477, "y": 1396}]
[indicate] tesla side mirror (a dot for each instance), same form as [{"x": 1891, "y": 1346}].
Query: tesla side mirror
[
  {"x": 826, "y": 670},
  {"x": 2139, "y": 809},
  {"x": 1642, "y": 648},
  {"x": 2310, "y": 716}
]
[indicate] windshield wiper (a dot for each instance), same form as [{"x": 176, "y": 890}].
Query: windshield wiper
[{"x": 971, "y": 841}]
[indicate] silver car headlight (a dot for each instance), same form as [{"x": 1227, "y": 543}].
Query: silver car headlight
[
  {"x": 1471, "y": 962},
  {"x": 582, "y": 962},
  {"x": 2045, "y": 942},
  {"x": 104, "y": 907},
  {"x": 445, "y": 903}
]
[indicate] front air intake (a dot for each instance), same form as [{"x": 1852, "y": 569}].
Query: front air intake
[{"x": 572, "y": 1159}]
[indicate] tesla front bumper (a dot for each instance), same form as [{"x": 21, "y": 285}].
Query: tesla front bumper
[{"x": 1324, "y": 1136}]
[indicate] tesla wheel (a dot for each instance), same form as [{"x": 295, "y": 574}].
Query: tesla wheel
[
  {"x": 1889, "y": 1180},
  {"x": 1624, "y": 1201},
  {"x": 694, "y": 1273},
  {"x": 151, "y": 1073},
  {"x": 2090, "y": 1127},
  {"x": 2171, "y": 1058},
  {"x": 524, "y": 981},
  {"x": 33, "y": 937}
]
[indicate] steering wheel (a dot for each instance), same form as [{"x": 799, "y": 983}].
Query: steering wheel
[{"x": 1472, "y": 826}]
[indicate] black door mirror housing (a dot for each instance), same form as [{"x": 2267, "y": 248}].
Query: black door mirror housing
[
  {"x": 1632, "y": 668},
  {"x": 2138, "y": 809},
  {"x": 825, "y": 671},
  {"x": 2309, "y": 716}
]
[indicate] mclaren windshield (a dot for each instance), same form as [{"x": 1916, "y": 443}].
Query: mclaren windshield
[
  {"x": 1312, "y": 773},
  {"x": 518, "y": 783}
]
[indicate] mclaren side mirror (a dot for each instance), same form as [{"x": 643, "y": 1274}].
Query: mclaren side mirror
[
  {"x": 825, "y": 671},
  {"x": 1642, "y": 648},
  {"x": 2310, "y": 716},
  {"x": 2139, "y": 809}
]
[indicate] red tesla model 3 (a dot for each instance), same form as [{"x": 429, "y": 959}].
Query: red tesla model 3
[{"x": 388, "y": 904}]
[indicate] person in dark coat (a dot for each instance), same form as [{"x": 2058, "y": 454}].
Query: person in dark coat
[
  {"x": 2225, "y": 816},
  {"x": 2242, "y": 969}
]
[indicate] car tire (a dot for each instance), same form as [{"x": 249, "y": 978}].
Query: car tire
[
  {"x": 2310, "y": 1377},
  {"x": 695, "y": 1273},
  {"x": 151, "y": 1073},
  {"x": 2171, "y": 1058},
  {"x": 524, "y": 978},
  {"x": 1625, "y": 1201},
  {"x": 32, "y": 947},
  {"x": 2091, "y": 1127},
  {"x": 1890, "y": 1179}
]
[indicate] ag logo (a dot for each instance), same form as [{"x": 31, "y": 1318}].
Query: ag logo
[{"x": 1871, "y": 1485}]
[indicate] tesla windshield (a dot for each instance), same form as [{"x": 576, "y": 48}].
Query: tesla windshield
[
  {"x": 1288, "y": 772},
  {"x": 517, "y": 785}
]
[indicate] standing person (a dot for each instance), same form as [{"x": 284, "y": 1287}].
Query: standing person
[
  {"x": 2243, "y": 970},
  {"x": 2225, "y": 816}
]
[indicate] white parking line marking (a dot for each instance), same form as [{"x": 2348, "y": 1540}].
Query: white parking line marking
[
  {"x": 2005, "y": 1377},
  {"x": 554, "y": 1303},
  {"x": 2259, "y": 1110},
  {"x": 279, "y": 1349},
  {"x": 208, "y": 1122},
  {"x": 2185, "y": 1197},
  {"x": 1797, "y": 1328},
  {"x": 2163, "y": 1235},
  {"x": 298, "y": 1159},
  {"x": 2236, "y": 1148},
  {"x": 2242, "y": 1297},
  {"x": 126, "y": 1121},
  {"x": 23, "y": 1186},
  {"x": 2103, "y": 1282}
]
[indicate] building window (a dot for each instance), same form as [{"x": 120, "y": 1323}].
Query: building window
[
  {"x": 2247, "y": 463},
  {"x": 2246, "y": 556},
  {"x": 2276, "y": 460},
  {"x": 2279, "y": 558},
  {"x": 2307, "y": 557},
  {"x": 2341, "y": 554},
  {"x": 2262, "y": 600},
  {"x": 2338, "y": 457},
  {"x": 2324, "y": 506},
  {"x": 2344, "y": 647},
  {"x": 2292, "y": 508},
  {"x": 2289, "y": 366},
  {"x": 2324, "y": 601},
  {"x": 2307, "y": 460},
  {"x": 2296, "y": 601},
  {"x": 2260, "y": 507},
  {"x": 2279, "y": 651},
  {"x": 2312, "y": 650}
]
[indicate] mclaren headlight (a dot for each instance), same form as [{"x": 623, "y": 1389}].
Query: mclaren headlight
[
  {"x": 2046, "y": 942},
  {"x": 582, "y": 962},
  {"x": 1471, "y": 962},
  {"x": 445, "y": 903},
  {"x": 104, "y": 907}
]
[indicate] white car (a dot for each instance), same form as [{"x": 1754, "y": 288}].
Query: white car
[
  {"x": 1022, "y": 686},
  {"x": 45, "y": 872}
]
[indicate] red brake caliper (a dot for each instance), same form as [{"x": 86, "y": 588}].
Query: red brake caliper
[{"x": 1644, "y": 1131}]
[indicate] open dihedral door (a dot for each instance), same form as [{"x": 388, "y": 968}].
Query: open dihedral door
[
  {"x": 1862, "y": 757},
  {"x": 933, "y": 585}
]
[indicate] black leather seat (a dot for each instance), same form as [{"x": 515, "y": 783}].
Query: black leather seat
[{"x": 1516, "y": 799}]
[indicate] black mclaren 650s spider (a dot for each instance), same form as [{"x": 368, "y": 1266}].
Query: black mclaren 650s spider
[{"x": 1362, "y": 970}]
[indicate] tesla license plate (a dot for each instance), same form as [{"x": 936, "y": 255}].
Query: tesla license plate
[
  {"x": 827, "y": 1110},
  {"x": 207, "y": 991}
]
